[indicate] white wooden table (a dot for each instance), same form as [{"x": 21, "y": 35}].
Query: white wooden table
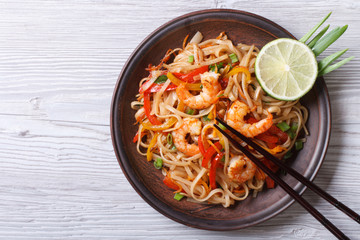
[{"x": 59, "y": 178}]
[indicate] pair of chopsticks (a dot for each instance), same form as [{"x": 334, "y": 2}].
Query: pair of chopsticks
[{"x": 315, "y": 213}]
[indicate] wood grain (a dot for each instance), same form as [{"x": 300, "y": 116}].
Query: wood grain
[{"x": 59, "y": 178}]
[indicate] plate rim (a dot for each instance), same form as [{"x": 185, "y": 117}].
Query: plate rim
[{"x": 321, "y": 90}]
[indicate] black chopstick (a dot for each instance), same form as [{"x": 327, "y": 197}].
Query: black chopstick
[
  {"x": 296, "y": 175},
  {"x": 315, "y": 213}
]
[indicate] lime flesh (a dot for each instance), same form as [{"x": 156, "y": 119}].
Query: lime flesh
[{"x": 286, "y": 69}]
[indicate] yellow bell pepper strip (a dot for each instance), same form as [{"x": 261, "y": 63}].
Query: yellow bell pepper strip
[
  {"x": 150, "y": 148},
  {"x": 239, "y": 69},
  {"x": 167, "y": 124},
  {"x": 181, "y": 106},
  {"x": 189, "y": 86}
]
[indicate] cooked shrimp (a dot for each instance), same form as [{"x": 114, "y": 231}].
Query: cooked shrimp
[
  {"x": 241, "y": 169},
  {"x": 208, "y": 95},
  {"x": 191, "y": 126},
  {"x": 235, "y": 118}
]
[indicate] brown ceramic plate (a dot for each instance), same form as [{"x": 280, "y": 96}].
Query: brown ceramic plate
[{"x": 241, "y": 27}]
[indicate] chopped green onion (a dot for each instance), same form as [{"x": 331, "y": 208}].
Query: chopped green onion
[
  {"x": 178, "y": 196},
  {"x": 222, "y": 126},
  {"x": 190, "y": 111},
  {"x": 291, "y": 134},
  {"x": 313, "y": 30},
  {"x": 220, "y": 65},
  {"x": 233, "y": 58},
  {"x": 298, "y": 145},
  {"x": 212, "y": 67},
  {"x": 288, "y": 154},
  {"x": 335, "y": 66},
  {"x": 191, "y": 59},
  {"x": 161, "y": 79},
  {"x": 169, "y": 139},
  {"x": 158, "y": 163},
  {"x": 173, "y": 147},
  {"x": 201, "y": 86},
  {"x": 220, "y": 95},
  {"x": 294, "y": 127},
  {"x": 223, "y": 159},
  {"x": 283, "y": 126},
  {"x": 318, "y": 36},
  {"x": 328, "y": 39},
  {"x": 329, "y": 59},
  {"x": 206, "y": 118},
  {"x": 138, "y": 106}
]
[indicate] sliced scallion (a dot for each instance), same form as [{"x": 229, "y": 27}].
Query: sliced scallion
[
  {"x": 169, "y": 139},
  {"x": 298, "y": 145},
  {"x": 190, "y": 111},
  {"x": 178, "y": 196},
  {"x": 206, "y": 118},
  {"x": 283, "y": 126},
  {"x": 161, "y": 79},
  {"x": 288, "y": 154},
  {"x": 158, "y": 163},
  {"x": 291, "y": 134},
  {"x": 233, "y": 58},
  {"x": 191, "y": 59},
  {"x": 294, "y": 127}
]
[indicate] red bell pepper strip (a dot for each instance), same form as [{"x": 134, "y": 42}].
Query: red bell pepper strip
[
  {"x": 201, "y": 146},
  {"x": 170, "y": 183},
  {"x": 212, "y": 173},
  {"x": 189, "y": 78},
  {"x": 252, "y": 120},
  {"x": 156, "y": 87},
  {"x": 209, "y": 153},
  {"x": 269, "y": 182},
  {"x": 152, "y": 118},
  {"x": 271, "y": 145},
  {"x": 274, "y": 130},
  {"x": 266, "y": 137},
  {"x": 135, "y": 139}
]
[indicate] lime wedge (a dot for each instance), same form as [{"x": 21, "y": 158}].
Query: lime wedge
[{"x": 286, "y": 69}]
